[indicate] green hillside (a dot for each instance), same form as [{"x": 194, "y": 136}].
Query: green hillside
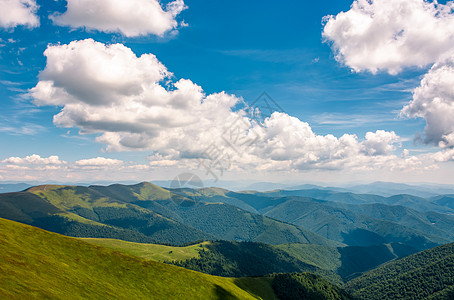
[
  {"x": 36, "y": 264},
  {"x": 308, "y": 286},
  {"x": 433, "y": 223},
  {"x": 347, "y": 262},
  {"x": 39, "y": 264},
  {"x": 143, "y": 191},
  {"x": 329, "y": 195},
  {"x": 349, "y": 227},
  {"x": 225, "y": 222},
  {"x": 147, "y": 213},
  {"x": 425, "y": 275},
  {"x": 82, "y": 212},
  {"x": 234, "y": 259},
  {"x": 337, "y": 264},
  {"x": 155, "y": 252},
  {"x": 367, "y": 223},
  {"x": 231, "y": 223}
]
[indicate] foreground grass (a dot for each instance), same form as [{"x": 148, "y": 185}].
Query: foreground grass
[
  {"x": 150, "y": 251},
  {"x": 36, "y": 264}
]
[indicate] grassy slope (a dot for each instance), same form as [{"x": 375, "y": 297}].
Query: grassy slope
[
  {"x": 347, "y": 262},
  {"x": 301, "y": 259},
  {"x": 150, "y": 251},
  {"x": 39, "y": 264}
]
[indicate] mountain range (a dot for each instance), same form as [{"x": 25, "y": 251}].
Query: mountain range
[{"x": 359, "y": 241}]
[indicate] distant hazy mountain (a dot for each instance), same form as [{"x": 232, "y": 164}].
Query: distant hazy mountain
[
  {"x": 390, "y": 189},
  {"x": 413, "y": 202},
  {"x": 265, "y": 186},
  {"x": 13, "y": 187}
]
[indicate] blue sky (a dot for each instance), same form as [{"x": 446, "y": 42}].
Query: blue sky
[{"x": 331, "y": 77}]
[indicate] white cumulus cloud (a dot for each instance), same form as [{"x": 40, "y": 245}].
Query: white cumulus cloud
[
  {"x": 98, "y": 162},
  {"x": 37, "y": 168},
  {"x": 391, "y": 34},
  {"x": 131, "y": 17},
  {"x": 33, "y": 159},
  {"x": 131, "y": 104},
  {"x": 107, "y": 89},
  {"x": 443, "y": 156},
  {"x": 18, "y": 12},
  {"x": 380, "y": 142},
  {"x": 433, "y": 100}
]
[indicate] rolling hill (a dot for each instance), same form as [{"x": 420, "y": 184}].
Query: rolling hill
[
  {"x": 78, "y": 211},
  {"x": 349, "y": 227},
  {"x": 144, "y": 213},
  {"x": 336, "y": 264},
  {"x": 234, "y": 224},
  {"x": 147, "y": 213},
  {"x": 251, "y": 234},
  {"x": 433, "y": 223},
  {"x": 38, "y": 264},
  {"x": 444, "y": 200},
  {"x": 233, "y": 259},
  {"x": 425, "y": 275}
]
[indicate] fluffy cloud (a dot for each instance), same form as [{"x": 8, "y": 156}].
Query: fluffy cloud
[
  {"x": 394, "y": 34},
  {"x": 433, "y": 100},
  {"x": 291, "y": 143},
  {"x": 35, "y": 167},
  {"x": 33, "y": 159},
  {"x": 98, "y": 162},
  {"x": 443, "y": 156},
  {"x": 108, "y": 90},
  {"x": 131, "y": 103},
  {"x": 131, "y": 18},
  {"x": 380, "y": 142},
  {"x": 18, "y": 12},
  {"x": 391, "y": 34}
]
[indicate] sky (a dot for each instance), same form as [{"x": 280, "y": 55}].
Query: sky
[{"x": 281, "y": 91}]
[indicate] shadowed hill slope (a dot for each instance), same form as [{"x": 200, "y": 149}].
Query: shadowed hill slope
[{"x": 424, "y": 275}]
